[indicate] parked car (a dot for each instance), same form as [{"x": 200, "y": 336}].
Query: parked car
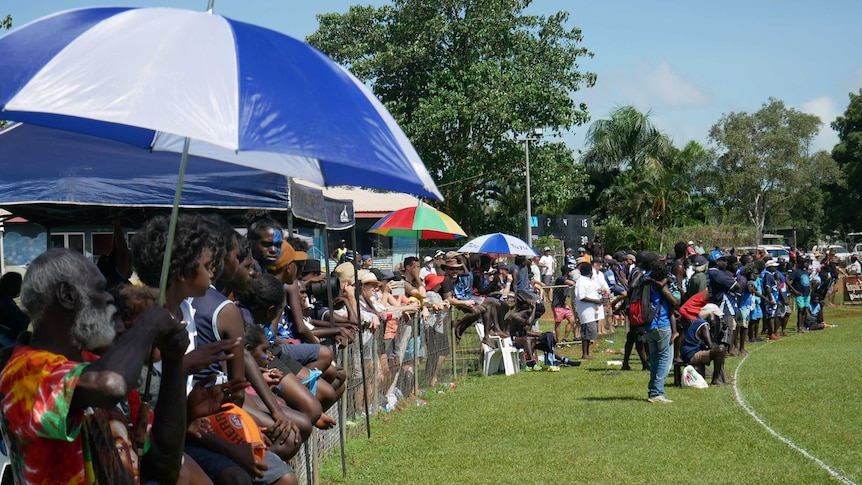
[
  {"x": 775, "y": 250},
  {"x": 841, "y": 254}
]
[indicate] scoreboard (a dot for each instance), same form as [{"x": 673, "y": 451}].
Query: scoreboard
[{"x": 573, "y": 229}]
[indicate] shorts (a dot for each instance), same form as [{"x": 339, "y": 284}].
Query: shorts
[
  {"x": 780, "y": 309},
  {"x": 618, "y": 290},
  {"x": 285, "y": 363},
  {"x": 302, "y": 353},
  {"x": 590, "y": 330},
  {"x": 563, "y": 313},
  {"x": 769, "y": 311},
  {"x": 548, "y": 280},
  {"x": 277, "y": 469},
  {"x": 701, "y": 357},
  {"x": 756, "y": 312},
  {"x": 213, "y": 464},
  {"x": 743, "y": 317},
  {"x": 803, "y": 301}
]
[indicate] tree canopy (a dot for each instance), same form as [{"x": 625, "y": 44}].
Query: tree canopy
[
  {"x": 465, "y": 78},
  {"x": 764, "y": 165},
  {"x": 845, "y": 203}
]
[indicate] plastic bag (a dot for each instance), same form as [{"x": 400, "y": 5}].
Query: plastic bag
[{"x": 692, "y": 379}]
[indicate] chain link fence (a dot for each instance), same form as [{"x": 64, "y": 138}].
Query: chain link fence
[{"x": 386, "y": 374}]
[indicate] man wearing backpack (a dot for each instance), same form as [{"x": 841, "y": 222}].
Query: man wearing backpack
[
  {"x": 635, "y": 334},
  {"x": 659, "y": 329}
]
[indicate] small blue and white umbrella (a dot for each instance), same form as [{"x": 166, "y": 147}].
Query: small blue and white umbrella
[
  {"x": 499, "y": 244},
  {"x": 238, "y": 92}
]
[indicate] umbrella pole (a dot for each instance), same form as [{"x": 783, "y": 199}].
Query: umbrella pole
[
  {"x": 169, "y": 246},
  {"x": 361, "y": 352},
  {"x": 341, "y": 409}
]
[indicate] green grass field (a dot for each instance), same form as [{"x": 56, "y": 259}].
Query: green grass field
[{"x": 592, "y": 424}]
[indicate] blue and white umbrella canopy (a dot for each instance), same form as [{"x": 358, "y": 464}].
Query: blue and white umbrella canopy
[
  {"x": 241, "y": 93},
  {"x": 500, "y": 244}
]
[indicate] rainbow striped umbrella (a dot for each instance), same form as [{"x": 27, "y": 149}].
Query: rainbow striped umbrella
[{"x": 418, "y": 222}]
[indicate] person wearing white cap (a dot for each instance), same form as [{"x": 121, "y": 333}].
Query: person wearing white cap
[
  {"x": 427, "y": 268},
  {"x": 698, "y": 349},
  {"x": 548, "y": 269}
]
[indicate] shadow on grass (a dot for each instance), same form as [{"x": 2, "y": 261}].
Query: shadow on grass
[
  {"x": 609, "y": 371},
  {"x": 611, "y": 398}
]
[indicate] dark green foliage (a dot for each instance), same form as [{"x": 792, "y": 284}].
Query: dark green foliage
[{"x": 465, "y": 79}]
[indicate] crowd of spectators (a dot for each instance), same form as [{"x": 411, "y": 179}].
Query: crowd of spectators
[{"x": 248, "y": 326}]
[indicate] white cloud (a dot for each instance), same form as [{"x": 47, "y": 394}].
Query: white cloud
[
  {"x": 677, "y": 103},
  {"x": 824, "y": 108},
  {"x": 666, "y": 84}
]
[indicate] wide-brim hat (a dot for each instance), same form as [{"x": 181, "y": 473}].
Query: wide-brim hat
[
  {"x": 370, "y": 278},
  {"x": 432, "y": 280},
  {"x": 311, "y": 266},
  {"x": 346, "y": 271},
  {"x": 710, "y": 310},
  {"x": 453, "y": 263}
]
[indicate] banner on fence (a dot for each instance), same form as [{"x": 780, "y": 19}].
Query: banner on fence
[{"x": 852, "y": 289}]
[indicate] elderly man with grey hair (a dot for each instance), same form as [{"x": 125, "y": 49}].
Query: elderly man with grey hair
[{"x": 72, "y": 415}]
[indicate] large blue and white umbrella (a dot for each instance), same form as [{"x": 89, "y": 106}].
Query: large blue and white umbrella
[
  {"x": 239, "y": 93},
  {"x": 499, "y": 244},
  {"x": 202, "y": 84}
]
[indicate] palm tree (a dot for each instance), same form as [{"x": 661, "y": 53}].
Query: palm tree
[
  {"x": 620, "y": 150},
  {"x": 625, "y": 141}
]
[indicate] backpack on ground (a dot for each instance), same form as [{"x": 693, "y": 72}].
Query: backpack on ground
[{"x": 641, "y": 310}]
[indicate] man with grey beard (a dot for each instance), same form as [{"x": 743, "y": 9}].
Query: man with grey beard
[{"x": 71, "y": 415}]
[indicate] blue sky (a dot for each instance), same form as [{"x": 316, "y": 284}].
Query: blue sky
[{"x": 688, "y": 62}]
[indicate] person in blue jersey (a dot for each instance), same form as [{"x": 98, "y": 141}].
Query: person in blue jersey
[
  {"x": 698, "y": 347},
  {"x": 659, "y": 331},
  {"x": 800, "y": 287}
]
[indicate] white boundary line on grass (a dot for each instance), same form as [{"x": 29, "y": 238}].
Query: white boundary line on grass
[{"x": 838, "y": 476}]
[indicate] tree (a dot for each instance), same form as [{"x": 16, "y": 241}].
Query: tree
[
  {"x": 464, "y": 78},
  {"x": 687, "y": 165},
  {"x": 845, "y": 204},
  {"x": 764, "y": 161},
  {"x": 623, "y": 159},
  {"x": 627, "y": 140}
]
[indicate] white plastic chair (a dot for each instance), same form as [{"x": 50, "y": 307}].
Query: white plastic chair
[
  {"x": 492, "y": 358},
  {"x": 503, "y": 355}
]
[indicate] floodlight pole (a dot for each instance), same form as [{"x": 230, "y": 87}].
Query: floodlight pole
[{"x": 534, "y": 136}]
